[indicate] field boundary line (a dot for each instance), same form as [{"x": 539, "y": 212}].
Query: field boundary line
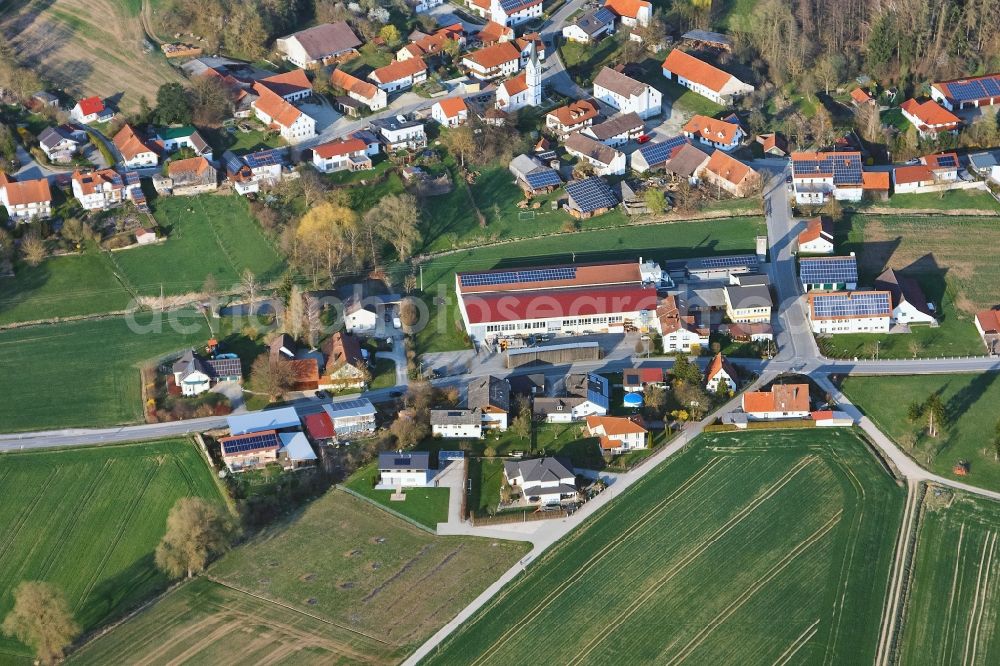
[
  {"x": 797, "y": 644},
  {"x": 951, "y": 595},
  {"x": 982, "y": 581},
  {"x": 595, "y": 559},
  {"x": 722, "y": 531},
  {"x": 897, "y": 585},
  {"x": 757, "y": 586}
]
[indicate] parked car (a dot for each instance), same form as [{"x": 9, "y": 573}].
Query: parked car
[{"x": 644, "y": 138}]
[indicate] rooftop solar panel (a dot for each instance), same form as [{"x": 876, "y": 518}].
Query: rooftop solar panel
[
  {"x": 992, "y": 86},
  {"x": 845, "y": 167},
  {"x": 591, "y": 194},
  {"x": 604, "y": 15},
  {"x": 828, "y": 270},
  {"x": 727, "y": 262},
  {"x": 855, "y": 304},
  {"x": 946, "y": 161},
  {"x": 543, "y": 178},
  {"x": 547, "y": 155},
  {"x": 264, "y": 158},
  {"x": 253, "y": 442},
  {"x": 513, "y": 277},
  {"x": 512, "y": 5},
  {"x": 658, "y": 153}
]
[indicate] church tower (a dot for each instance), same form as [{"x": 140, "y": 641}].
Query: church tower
[{"x": 533, "y": 78}]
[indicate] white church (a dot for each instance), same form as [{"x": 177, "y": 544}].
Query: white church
[{"x": 523, "y": 89}]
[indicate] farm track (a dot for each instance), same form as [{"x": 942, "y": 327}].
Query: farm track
[{"x": 893, "y": 607}]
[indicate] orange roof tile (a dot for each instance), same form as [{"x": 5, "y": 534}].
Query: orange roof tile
[
  {"x": 89, "y": 182},
  {"x": 712, "y": 129},
  {"x": 917, "y": 173},
  {"x": 339, "y": 147},
  {"x": 516, "y": 84},
  {"x": 129, "y": 144},
  {"x": 493, "y": 32},
  {"x": 875, "y": 180},
  {"x": 989, "y": 320},
  {"x": 934, "y": 161},
  {"x": 860, "y": 95},
  {"x": 815, "y": 228},
  {"x": 341, "y": 79},
  {"x": 196, "y": 165},
  {"x": 25, "y": 192},
  {"x": 614, "y": 425},
  {"x": 576, "y": 112},
  {"x": 494, "y": 56},
  {"x": 629, "y": 8},
  {"x": 930, "y": 114},
  {"x": 277, "y": 109},
  {"x": 781, "y": 398},
  {"x": 728, "y": 168},
  {"x": 453, "y": 106},
  {"x": 718, "y": 363},
  {"x": 696, "y": 70},
  {"x": 399, "y": 69}
]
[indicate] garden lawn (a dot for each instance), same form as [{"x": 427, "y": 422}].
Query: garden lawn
[
  {"x": 88, "y": 520},
  {"x": 970, "y": 401},
  {"x": 427, "y": 506},
  {"x": 64, "y": 286},
  {"x": 688, "y": 100},
  {"x": 955, "y": 583},
  {"x": 383, "y": 374},
  {"x": 208, "y": 234},
  {"x": 746, "y": 548},
  {"x": 371, "y": 589},
  {"x": 947, "y": 200}
]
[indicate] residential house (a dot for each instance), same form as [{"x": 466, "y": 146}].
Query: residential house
[
  {"x": 498, "y": 61},
  {"x": 60, "y": 144},
  {"x": 542, "y": 481},
  {"x": 988, "y": 325},
  {"x": 527, "y": 386},
  {"x": 967, "y": 93},
  {"x": 404, "y": 469},
  {"x": 99, "y": 190},
  {"x": 507, "y": 12},
  {"x": 25, "y": 200},
  {"x": 359, "y": 316},
  {"x": 715, "y": 133},
  {"x": 707, "y": 80},
  {"x": 631, "y": 12},
  {"x": 450, "y": 112},
  {"x": 304, "y": 367},
  {"x": 250, "y": 451},
  {"x": 523, "y": 89},
  {"x": 818, "y": 176},
  {"x": 860, "y": 97},
  {"x": 575, "y": 116},
  {"x": 249, "y": 172},
  {"x": 293, "y": 125},
  {"x": 930, "y": 118},
  {"x": 346, "y": 365},
  {"x": 195, "y": 375},
  {"x": 456, "y": 423},
  {"x": 986, "y": 165},
  {"x": 532, "y": 176},
  {"x": 933, "y": 174},
  {"x": 136, "y": 152},
  {"x": 560, "y": 410},
  {"x": 748, "y": 304},
  {"x": 909, "y": 305},
  {"x": 635, "y": 380},
  {"x": 783, "y": 401},
  {"x": 829, "y": 273},
  {"x": 774, "y": 144},
  {"x": 494, "y": 33},
  {"x": 817, "y": 237},
  {"x": 655, "y": 154},
  {"x": 617, "y": 435},
  {"x": 42, "y": 99},
  {"x": 832, "y": 313},
  {"x": 313, "y": 47},
  {"x": 490, "y": 396},
  {"x": 606, "y": 160},
  {"x": 422, "y": 6},
  {"x": 591, "y": 196},
  {"x": 341, "y": 155},
  {"x": 678, "y": 330},
  {"x": 171, "y": 139},
  {"x": 398, "y": 133},
  {"x": 433, "y": 45},
  {"x": 595, "y": 388},
  {"x": 351, "y": 418},
  {"x": 91, "y": 110},
  {"x": 617, "y": 130},
  {"x": 729, "y": 174},
  {"x": 591, "y": 26},
  {"x": 626, "y": 94},
  {"x": 400, "y": 74},
  {"x": 293, "y": 86},
  {"x": 194, "y": 175},
  {"x": 720, "y": 372},
  {"x": 366, "y": 93}
]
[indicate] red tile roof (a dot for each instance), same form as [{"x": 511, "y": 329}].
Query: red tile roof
[
  {"x": 516, "y": 84},
  {"x": 639, "y": 376},
  {"x": 91, "y": 105},
  {"x": 691, "y": 68},
  {"x": 628, "y": 8},
  {"x": 781, "y": 398},
  {"x": 718, "y": 363},
  {"x": 712, "y": 129},
  {"x": 24, "y": 192},
  {"x": 989, "y": 320},
  {"x": 590, "y": 301},
  {"x": 596, "y": 275},
  {"x": 728, "y": 168},
  {"x": 277, "y": 109},
  {"x": 196, "y": 165},
  {"x": 399, "y": 69},
  {"x": 89, "y": 182},
  {"x": 250, "y": 435},
  {"x": 917, "y": 173},
  {"x": 319, "y": 426},
  {"x": 815, "y": 228},
  {"x": 494, "y": 56},
  {"x": 576, "y": 112},
  {"x": 493, "y": 32},
  {"x": 339, "y": 147},
  {"x": 286, "y": 83},
  {"x": 129, "y": 144},
  {"x": 349, "y": 83},
  {"x": 933, "y": 161},
  {"x": 931, "y": 115},
  {"x": 614, "y": 425},
  {"x": 860, "y": 95},
  {"x": 875, "y": 180},
  {"x": 453, "y": 107}
]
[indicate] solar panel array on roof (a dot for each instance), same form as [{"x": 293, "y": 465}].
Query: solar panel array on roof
[
  {"x": 513, "y": 277},
  {"x": 511, "y": 5},
  {"x": 748, "y": 260},
  {"x": 131, "y": 178},
  {"x": 233, "y": 163},
  {"x": 658, "y": 153},
  {"x": 543, "y": 178},
  {"x": 867, "y": 304},
  {"x": 264, "y": 158},
  {"x": 547, "y": 155},
  {"x": 591, "y": 194},
  {"x": 946, "y": 161},
  {"x": 264, "y": 440},
  {"x": 828, "y": 270},
  {"x": 355, "y": 407},
  {"x": 845, "y": 167},
  {"x": 226, "y": 367},
  {"x": 973, "y": 89},
  {"x": 605, "y": 15}
]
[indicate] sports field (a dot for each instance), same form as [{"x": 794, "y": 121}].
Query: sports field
[
  {"x": 343, "y": 582},
  {"x": 747, "y": 548},
  {"x": 955, "y": 595},
  {"x": 88, "y": 521}
]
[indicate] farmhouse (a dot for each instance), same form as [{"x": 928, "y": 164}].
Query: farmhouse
[
  {"x": 346, "y": 366},
  {"x": 748, "y": 304},
  {"x": 626, "y": 94},
  {"x": 817, "y": 237},
  {"x": 591, "y": 26},
  {"x": 90, "y": 110},
  {"x": 617, "y": 435},
  {"x": 705, "y": 79},
  {"x": 783, "y": 401},
  {"x": 493, "y": 62},
  {"x": 493, "y": 33},
  {"x": 929, "y": 117},
  {"x": 617, "y": 130},
  {"x": 135, "y": 152},
  {"x": 909, "y": 305},
  {"x": 290, "y": 86},
  {"x": 934, "y": 173},
  {"x": 194, "y": 374},
  {"x": 679, "y": 330},
  {"x": 544, "y": 481},
  {"x": 606, "y": 160},
  {"x": 433, "y": 45},
  {"x": 456, "y": 423},
  {"x": 316, "y": 46},
  {"x": 341, "y": 155},
  {"x": 968, "y": 93},
  {"x": 450, "y": 112},
  {"x": 635, "y": 380},
  {"x": 729, "y": 174},
  {"x": 25, "y": 200},
  {"x": 61, "y": 143},
  {"x": 194, "y": 175},
  {"x": 720, "y": 372},
  {"x": 818, "y": 176},
  {"x": 398, "y": 133},
  {"x": 171, "y": 139},
  {"x": 829, "y": 273},
  {"x": 631, "y": 12},
  {"x": 293, "y": 125},
  {"x": 532, "y": 176},
  {"x": 656, "y": 154},
  {"x": 400, "y": 74},
  {"x": 404, "y": 469},
  {"x": 715, "y": 133},
  {"x": 988, "y": 325},
  {"x": 575, "y": 116},
  {"x": 838, "y": 312},
  {"x": 366, "y": 93},
  {"x": 490, "y": 396}
]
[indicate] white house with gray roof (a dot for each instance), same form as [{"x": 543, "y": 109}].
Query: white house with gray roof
[
  {"x": 315, "y": 46},
  {"x": 626, "y": 94},
  {"x": 456, "y": 423},
  {"x": 404, "y": 469},
  {"x": 542, "y": 481}
]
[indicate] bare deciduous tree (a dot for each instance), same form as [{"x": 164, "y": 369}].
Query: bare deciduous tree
[{"x": 196, "y": 531}]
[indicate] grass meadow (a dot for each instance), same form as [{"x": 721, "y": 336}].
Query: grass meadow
[
  {"x": 341, "y": 582},
  {"x": 954, "y": 596},
  {"x": 88, "y": 520},
  {"x": 970, "y": 402},
  {"x": 427, "y": 506},
  {"x": 749, "y": 548}
]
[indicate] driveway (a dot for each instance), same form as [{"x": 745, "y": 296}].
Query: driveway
[{"x": 234, "y": 392}]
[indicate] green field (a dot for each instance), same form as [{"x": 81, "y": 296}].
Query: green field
[
  {"x": 342, "y": 582},
  {"x": 427, "y": 506},
  {"x": 83, "y": 374},
  {"x": 88, "y": 520},
  {"x": 947, "y": 200},
  {"x": 752, "y": 548},
  {"x": 970, "y": 401},
  {"x": 952, "y": 609},
  {"x": 655, "y": 241}
]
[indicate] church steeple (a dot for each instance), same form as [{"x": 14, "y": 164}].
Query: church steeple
[{"x": 533, "y": 77}]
